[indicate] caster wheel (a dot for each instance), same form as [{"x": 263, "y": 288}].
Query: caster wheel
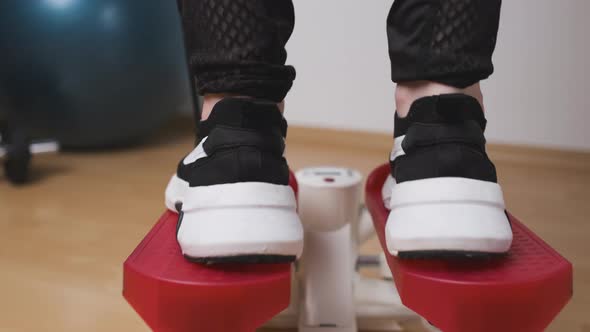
[
  {"x": 17, "y": 170},
  {"x": 18, "y": 158}
]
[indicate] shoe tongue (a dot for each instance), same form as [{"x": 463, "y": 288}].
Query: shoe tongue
[
  {"x": 247, "y": 113},
  {"x": 446, "y": 108}
]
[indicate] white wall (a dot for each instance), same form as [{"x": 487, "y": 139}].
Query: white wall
[{"x": 538, "y": 95}]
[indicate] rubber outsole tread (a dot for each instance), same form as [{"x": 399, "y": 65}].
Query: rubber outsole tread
[
  {"x": 243, "y": 259},
  {"x": 449, "y": 255}
]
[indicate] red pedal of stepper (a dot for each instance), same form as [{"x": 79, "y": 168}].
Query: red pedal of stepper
[
  {"x": 172, "y": 294},
  {"x": 522, "y": 292}
]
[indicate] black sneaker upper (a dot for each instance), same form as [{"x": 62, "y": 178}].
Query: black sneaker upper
[
  {"x": 443, "y": 136},
  {"x": 245, "y": 143}
]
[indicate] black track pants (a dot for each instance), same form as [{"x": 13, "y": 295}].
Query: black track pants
[{"x": 238, "y": 46}]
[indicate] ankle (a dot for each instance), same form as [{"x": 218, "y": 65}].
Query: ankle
[
  {"x": 209, "y": 101},
  {"x": 406, "y": 93}
]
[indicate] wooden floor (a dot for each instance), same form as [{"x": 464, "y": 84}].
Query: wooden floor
[{"x": 63, "y": 238}]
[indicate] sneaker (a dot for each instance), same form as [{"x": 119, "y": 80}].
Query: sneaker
[
  {"x": 232, "y": 191},
  {"x": 444, "y": 197}
]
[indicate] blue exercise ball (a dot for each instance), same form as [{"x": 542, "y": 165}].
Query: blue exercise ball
[{"x": 92, "y": 73}]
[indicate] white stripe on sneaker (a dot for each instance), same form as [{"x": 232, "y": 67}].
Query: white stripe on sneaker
[
  {"x": 196, "y": 154},
  {"x": 398, "y": 150}
]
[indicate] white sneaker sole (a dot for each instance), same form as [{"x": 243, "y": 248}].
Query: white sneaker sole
[
  {"x": 236, "y": 220},
  {"x": 447, "y": 215}
]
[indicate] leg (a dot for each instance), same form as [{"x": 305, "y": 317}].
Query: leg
[
  {"x": 231, "y": 191},
  {"x": 237, "y": 48},
  {"x": 446, "y": 199},
  {"x": 440, "y": 47}
]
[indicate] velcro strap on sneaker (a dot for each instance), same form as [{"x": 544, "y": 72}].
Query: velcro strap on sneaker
[
  {"x": 222, "y": 138},
  {"x": 426, "y": 134}
]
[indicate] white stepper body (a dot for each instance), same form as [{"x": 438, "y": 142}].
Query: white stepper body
[{"x": 328, "y": 294}]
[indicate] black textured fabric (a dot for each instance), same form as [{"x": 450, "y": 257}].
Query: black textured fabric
[
  {"x": 425, "y": 134},
  {"x": 238, "y": 46},
  {"x": 224, "y": 138},
  {"x": 245, "y": 143},
  {"x": 257, "y": 114},
  {"x": 446, "y": 108},
  {"x": 446, "y": 41},
  {"x": 443, "y": 136}
]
